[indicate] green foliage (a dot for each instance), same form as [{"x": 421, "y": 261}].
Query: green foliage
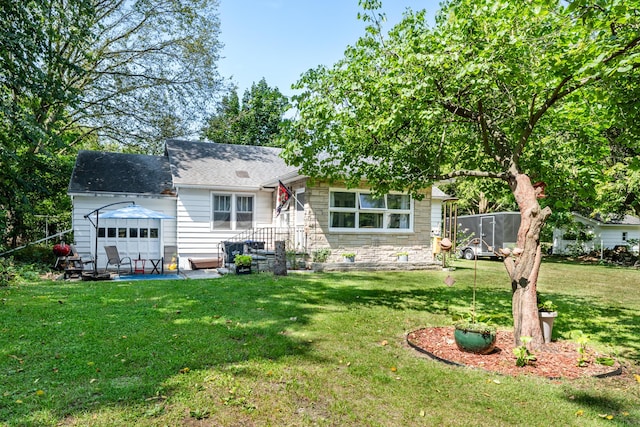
[
  {"x": 582, "y": 340},
  {"x": 321, "y": 255},
  {"x": 493, "y": 89},
  {"x": 255, "y": 121},
  {"x": 7, "y": 271},
  {"x": 243, "y": 260},
  {"x": 295, "y": 259},
  {"x": 477, "y": 196},
  {"x": 41, "y": 254},
  {"x": 12, "y": 272},
  {"x": 547, "y": 305},
  {"x": 523, "y": 355},
  {"x": 128, "y": 73}
]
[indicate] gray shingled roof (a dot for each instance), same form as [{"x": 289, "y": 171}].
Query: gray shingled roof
[
  {"x": 619, "y": 220},
  {"x": 224, "y": 165},
  {"x": 101, "y": 172}
]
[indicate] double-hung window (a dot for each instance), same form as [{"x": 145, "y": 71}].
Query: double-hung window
[
  {"x": 232, "y": 211},
  {"x": 244, "y": 212},
  {"x": 357, "y": 210}
]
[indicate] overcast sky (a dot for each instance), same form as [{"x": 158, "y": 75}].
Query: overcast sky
[{"x": 281, "y": 39}]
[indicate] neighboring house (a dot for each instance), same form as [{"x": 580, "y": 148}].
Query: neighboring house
[
  {"x": 595, "y": 233},
  {"x": 220, "y": 192}
]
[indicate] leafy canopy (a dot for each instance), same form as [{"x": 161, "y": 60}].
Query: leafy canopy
[
  {"x": 256, "y": 121},
  {"x": 93, "y": 73},
  {"x": 494, "y": 89}
]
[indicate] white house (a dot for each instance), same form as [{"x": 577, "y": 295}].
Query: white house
[
  {"x": 230, "y": 193},
  {"x": 599, "y": 234}
]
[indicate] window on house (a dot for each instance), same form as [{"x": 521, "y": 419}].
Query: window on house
[
  {"x": 232, "y": 212},
  {"x": 625, "y": 235},
  {"x": 362, "y": 211},
  {"x": 244, "y": 212},
  {"x": 222, "y": 212}
]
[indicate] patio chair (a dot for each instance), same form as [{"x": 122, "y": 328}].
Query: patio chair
[
  {"x": 113, "y": 258},
  {"x": 170, "y": 260}
]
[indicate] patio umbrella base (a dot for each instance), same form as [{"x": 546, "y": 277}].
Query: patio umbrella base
[{"x": 92, "y": 276}]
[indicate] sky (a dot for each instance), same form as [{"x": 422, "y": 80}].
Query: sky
[{"x": 281, "y": 39}]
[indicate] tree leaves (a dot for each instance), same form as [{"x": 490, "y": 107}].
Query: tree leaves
[
  {"x": 495, "y": 86},
  {"x": 257, "y": 121}
]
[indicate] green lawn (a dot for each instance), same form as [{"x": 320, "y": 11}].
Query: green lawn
[{"x": 307, "y": 349}]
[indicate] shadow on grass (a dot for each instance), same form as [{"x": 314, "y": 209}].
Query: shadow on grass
[
  {"x": 611, "y": 326},
  {"x": 94, "y": 345},
  {"x": 70, "y": 348}
]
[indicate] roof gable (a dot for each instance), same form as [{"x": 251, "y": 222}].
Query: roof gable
[{"x": 224, "y": 165}]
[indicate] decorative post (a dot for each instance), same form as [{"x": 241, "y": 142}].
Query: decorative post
[{"x": 280, "y": 262}]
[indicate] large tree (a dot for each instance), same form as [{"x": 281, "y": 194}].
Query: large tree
[
  {"x": 496, "y": 89},
  {"x": 256, "y": 121},
  {"x": 127, "y": 73},
  {"x": 34, "y": 97}
]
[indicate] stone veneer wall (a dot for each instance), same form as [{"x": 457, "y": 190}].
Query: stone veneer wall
[{"x": 374, "y": 247}]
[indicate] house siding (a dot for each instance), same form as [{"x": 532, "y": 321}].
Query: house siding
[
  {"x": 84, "y": 232},
  {"x": 195, "y": 237},
  {"x": 371, "y": 247},
  {"x": 606, "y": 236}
]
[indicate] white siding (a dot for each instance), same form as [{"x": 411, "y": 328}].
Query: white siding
[
  {"x": 196, "y": 236},
  {"x": 436, "y": 217},
  {"x": 612, "y": 236},
  {"x": 84, "y": 231},
  {"x": 604, "y": 236}
]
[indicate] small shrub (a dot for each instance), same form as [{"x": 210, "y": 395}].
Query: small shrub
[
  {"x": 35, "y": 254},
  {"x": 243, "y": 260},
  {"x": 7, "y": 271},
  {"x": 321, "y": 255},
  {"x": 582, "y": 340},
  {"x": 523, "y": 355}
]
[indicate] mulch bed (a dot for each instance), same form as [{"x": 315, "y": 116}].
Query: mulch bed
[{"x": 557, "y": 359}]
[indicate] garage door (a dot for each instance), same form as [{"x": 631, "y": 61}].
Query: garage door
[{"x": 133, "y": 238}]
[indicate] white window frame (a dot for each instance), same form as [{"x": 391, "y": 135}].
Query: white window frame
[
  {"x": 357, "y": 210},
  {"x": 234, "y": 210}
]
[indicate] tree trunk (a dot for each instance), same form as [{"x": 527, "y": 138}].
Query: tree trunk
[{"x": 524, "y": 266}]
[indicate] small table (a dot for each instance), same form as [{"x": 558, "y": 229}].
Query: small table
[
  {"x": 155, "y": 265},
  {"x": 139, "y": 266}
]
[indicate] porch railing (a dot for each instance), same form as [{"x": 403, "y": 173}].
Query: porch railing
[{"x": 262, "y": 240}]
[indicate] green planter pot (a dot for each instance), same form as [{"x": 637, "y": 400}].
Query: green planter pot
[{"x": 475, "y": 342}]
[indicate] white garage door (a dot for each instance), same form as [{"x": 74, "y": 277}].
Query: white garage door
[{"x": 134, "y": 238}]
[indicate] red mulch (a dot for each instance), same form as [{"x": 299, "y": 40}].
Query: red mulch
[{"x": 557, "y": 359}]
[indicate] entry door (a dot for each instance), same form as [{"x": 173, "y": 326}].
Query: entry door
[{"x": 487, "y": 231}]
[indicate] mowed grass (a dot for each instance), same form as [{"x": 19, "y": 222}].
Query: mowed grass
[{"x": 307, "y": 349}]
